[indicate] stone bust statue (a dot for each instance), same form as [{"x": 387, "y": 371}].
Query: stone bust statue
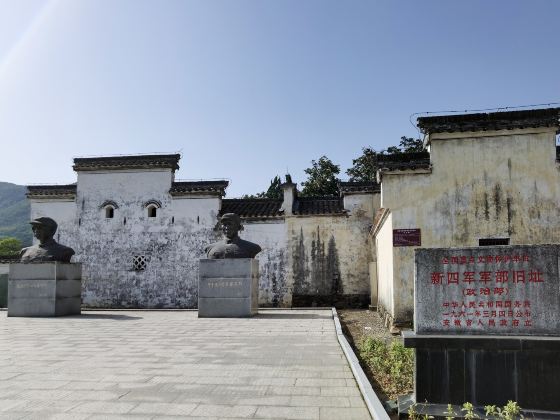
[
  {"x": 232, "y": 246},
  {"x": 48, "y": 249}
]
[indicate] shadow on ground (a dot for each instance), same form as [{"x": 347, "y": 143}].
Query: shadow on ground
[
  {"x": 115, "y": 317},
  {"x": 272, "y": 315}
]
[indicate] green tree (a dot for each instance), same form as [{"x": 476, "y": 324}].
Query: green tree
[
  {"x": 322, "y": 179},
  {"x": 274, "y": 190},
  {"x": 411, "y": 145},
  {"x": 365, "y": 166},
  {"x": 10, "y": 246}
]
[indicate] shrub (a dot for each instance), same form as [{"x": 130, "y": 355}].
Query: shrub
[{"x": 391, "y": 364}]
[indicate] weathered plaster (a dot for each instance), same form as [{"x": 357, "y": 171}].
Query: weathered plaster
[
  {"x": 271, "y": 236},
  {"x": 329, "y": 258},
  {"x": 334, "y": 254},
  {"x": 480, "y": 187}
]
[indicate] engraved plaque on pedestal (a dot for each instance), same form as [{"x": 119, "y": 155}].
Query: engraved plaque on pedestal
[
  {"x": 228, "y": 288},
  {"x": 44, "y": 289}
]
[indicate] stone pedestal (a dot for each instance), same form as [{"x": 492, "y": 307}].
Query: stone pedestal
[
  {"x": 487, "y": 328},
  {"x": 486, "y": 370},
  {"x": 44, "y": 289},
  {"x": 228, "y": 288}
]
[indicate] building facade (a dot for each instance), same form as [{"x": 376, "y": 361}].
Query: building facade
[
  {"x": 486, "y": 179},
  {"x": 139, "y": 235},
  {"x": 483, "y": 179}
]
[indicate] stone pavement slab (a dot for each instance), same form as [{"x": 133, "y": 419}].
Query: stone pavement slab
[{"x": 281, "y": 364}]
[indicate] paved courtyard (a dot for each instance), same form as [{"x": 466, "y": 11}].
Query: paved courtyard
[{"x": 283, "y": 364}]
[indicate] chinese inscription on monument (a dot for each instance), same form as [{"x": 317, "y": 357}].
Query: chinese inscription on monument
[{"x": 508, "y": 290}]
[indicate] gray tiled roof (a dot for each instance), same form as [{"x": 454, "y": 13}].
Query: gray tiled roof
[
  {"x": 358, "y": 187},
  {"x": 404, "y": 161},
  {"x": 252, "y": 207},
  {"x": 403, "y": 166},
  {"x": 198, "y": 187},
  {"x": 127, "y": 162},
  {"x": 269, "y": 208},
  {"x": 318, "y": 206},
  {"x": 51, "y": 191},
  {"x": 548, "y": 117}
]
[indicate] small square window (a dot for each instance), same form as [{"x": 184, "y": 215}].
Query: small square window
[
  {"x": 493, "y": 241},
  {"x": 139, "y": 263}
]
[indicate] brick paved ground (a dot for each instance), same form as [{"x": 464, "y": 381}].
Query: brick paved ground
[{"x": 283, "y": 364}]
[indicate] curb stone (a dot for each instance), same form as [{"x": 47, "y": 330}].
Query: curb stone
[{"x": 373, "y": 403}]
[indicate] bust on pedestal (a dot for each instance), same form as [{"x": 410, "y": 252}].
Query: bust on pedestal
[
  {"x": 45, "y": 282},
  {"x": 228, "y": 285}
]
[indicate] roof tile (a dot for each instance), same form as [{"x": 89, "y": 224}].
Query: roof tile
[
  {"x": 127, "y": 162},
  {"x": 51, "y": 191},
  {"x": 358, "y": 187},
  {"x": 198, "y": 187},
  {"x": 532, "y": 118},
  {"x": 318, "y": 206},
  {"x": 252, "y": 207}
]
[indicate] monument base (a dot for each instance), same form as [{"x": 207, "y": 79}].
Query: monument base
[
  {"x": 487, "y": 370},
  {"x": 228, "y": 288},
  {"x": 44, "y": 289}
]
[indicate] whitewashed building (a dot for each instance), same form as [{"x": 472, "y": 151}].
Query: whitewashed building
[
  {"x": 140, "y": 234},
  {"x": 486, "y": 179}
]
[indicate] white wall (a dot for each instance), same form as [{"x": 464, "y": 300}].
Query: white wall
[
  {"x": 174, "y": 241},
  {"x": 272, "y": 238},
  {"x": 482, "y": 185},
  {"x": 62, "y": 211},
  {"x": 384, "y": 246}
]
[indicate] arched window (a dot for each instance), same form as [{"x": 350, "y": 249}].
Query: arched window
[
  {"x": 109, "y": 207},
  {"x": 152, "y": 207}
]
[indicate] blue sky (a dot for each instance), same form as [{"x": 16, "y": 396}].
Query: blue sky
[{"x": 248, "y": 89}]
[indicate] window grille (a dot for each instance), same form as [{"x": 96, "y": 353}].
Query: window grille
[{"x": 139, "y": 262}]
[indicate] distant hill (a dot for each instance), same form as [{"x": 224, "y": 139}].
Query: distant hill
[{"x": 14, "y": 213}]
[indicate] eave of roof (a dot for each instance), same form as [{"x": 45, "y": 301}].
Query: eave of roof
[
  {"x": 378, "y": 220},
  {"x": 51, "y": 191},
  {"x": 182, "y": 188},
  {"x": 317, "y": 206},
  {"x": 350, "y": 187},
  {"x": 405, "y": 166},
  {"x": 532, "y": 118},
  {"x": 253, "y": 208},
  {"x": 127, "y": 162}
]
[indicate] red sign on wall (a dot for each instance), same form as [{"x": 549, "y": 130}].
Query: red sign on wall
[{"x": 406, "y": 237}]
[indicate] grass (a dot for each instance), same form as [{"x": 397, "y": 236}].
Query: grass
[{"x": 391, "y": 364}]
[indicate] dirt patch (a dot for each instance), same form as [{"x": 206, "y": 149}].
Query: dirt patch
[{"x": 359, "y": 323}]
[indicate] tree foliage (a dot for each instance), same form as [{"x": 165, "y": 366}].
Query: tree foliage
[
  {"x": 322, "y": 178},
  {"x": 10, "y": 246},
  {"x": 274, "y": 190},
  {"x": 364, "y": 168},
  {"x": 411, "y": 145}
]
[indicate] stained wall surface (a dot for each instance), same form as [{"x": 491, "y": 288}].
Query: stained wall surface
[
  {"x": 502, "y": 184},
  {"x": 329, "y": 256},
  {"x": 331, "y": 253}
]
